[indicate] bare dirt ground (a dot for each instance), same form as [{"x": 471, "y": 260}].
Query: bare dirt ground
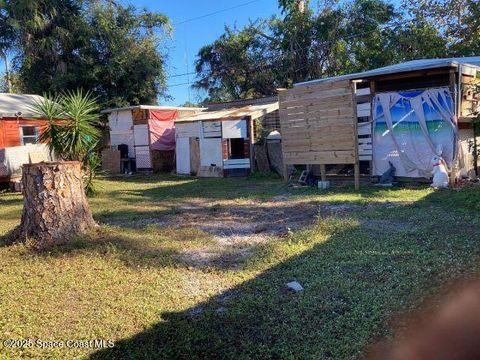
[{"x": 239, "y": 226}]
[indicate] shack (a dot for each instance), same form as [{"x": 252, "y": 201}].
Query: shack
[
  {"x": 218, "y": 142},
  {"x": 402, "y": 114},
  {"x": 20, "y": 128},
  {"x": 145, "y": 136}
]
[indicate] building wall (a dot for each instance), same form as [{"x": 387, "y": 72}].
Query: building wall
[{"x": 10, "y": 130}]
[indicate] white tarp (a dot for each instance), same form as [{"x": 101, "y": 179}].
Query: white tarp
[
  {"x": 12, "y": 158},
  {"x": 121, "y": 130},
  {"x": 410, "y": 127}
]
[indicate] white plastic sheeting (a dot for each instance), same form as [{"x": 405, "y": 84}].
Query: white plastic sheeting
[
  {"x": 12, "y": 158},
  {"x": 409, "y": 129},
  {"x": 121, "y": 130}
]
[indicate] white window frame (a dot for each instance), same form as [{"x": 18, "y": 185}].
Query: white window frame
[{"x": 23, "y": 137}]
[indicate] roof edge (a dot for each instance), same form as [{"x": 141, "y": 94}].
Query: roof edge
[{"x": 149, "y": 107}]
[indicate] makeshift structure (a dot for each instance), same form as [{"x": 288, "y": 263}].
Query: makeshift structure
[
  {"x": 20, "y": 128},
  {"x": 404, "y": 114},
  {"x": 147, "y": 133},
  {"x": 219, "y": 142}
]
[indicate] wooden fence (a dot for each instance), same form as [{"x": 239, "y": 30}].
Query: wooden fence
[{"x": 319, "y": 125}]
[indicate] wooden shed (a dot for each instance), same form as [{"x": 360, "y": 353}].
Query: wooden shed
[
  {"x": 219, "y": 142},
  {"x": 401, "y": 114}
]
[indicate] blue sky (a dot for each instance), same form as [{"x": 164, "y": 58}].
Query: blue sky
[{"x": 190, "y": 36}]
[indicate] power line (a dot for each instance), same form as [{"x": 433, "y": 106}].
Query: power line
[
  {"x": 266, "y": 66},
  {"x": 215, "y": 12},
  {"x": 184, "y": 74}
]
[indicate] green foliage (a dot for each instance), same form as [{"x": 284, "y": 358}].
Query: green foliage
[
  {"x": 339, "y": 37},
  {"x": 99, "y": 45},
  {"x": 75, "y": 136}
]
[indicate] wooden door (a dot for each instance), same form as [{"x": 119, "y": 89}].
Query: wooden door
[{"x": 194, "y": 155}]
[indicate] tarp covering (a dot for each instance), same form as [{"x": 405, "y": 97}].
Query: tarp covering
[
  {"x": 410, "y": 128},
  {"x": 162, "y": 129}
]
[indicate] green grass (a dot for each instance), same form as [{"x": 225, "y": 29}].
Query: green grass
[{"x": 362, "y": 266}]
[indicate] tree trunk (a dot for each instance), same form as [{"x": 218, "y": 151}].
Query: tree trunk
[{"x": 55, "y": 207}]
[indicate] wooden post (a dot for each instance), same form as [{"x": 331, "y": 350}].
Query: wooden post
[
  {"x": 323, "y": 172},
  {"x": 357, "y": 175},
  {"x": 356, "y": 166},
  {"x": 285, "y": 171}
]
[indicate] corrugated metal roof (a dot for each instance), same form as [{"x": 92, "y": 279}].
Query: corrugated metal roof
[
  {"x": 402, "y": 67},
  {"x": 149, "y": 107},
  {"x": 254, "y": 111},
  {"x": 13, "y": 105}
]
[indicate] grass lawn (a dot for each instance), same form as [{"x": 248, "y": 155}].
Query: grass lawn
[{"x": 189, "y": 268}]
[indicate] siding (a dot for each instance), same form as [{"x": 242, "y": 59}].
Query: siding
[{"x": 10, "y": 130}]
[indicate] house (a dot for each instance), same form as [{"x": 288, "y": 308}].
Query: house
[
  {"x": 20, "y": 128},
  {"x": 146, "y": 134},
  {"x": 402, "y": 114},
  {"x": 218, "y": 142}
]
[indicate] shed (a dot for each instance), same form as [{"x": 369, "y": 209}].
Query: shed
[
  {"x": 403, "y": 114},
  {"x": 219, "y": 142},
  {"x": 148, "y": 132},
  {"x": 20, "y": 128}
]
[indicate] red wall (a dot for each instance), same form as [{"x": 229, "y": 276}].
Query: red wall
[{"x": 10, "y": 130}]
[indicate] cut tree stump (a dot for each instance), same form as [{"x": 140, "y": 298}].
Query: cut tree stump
[{"x": 55, "y": 206}]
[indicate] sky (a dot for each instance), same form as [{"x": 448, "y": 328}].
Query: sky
[{"x": 192, "y": 32}]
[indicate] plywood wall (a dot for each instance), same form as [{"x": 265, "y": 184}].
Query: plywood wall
[{"x": 318, "y": 124}]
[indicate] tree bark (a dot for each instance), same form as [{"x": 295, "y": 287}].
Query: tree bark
[{"x": 55, "y": 206}]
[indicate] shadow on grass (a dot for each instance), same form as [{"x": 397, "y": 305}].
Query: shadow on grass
[{"x": 354, "y": 282}]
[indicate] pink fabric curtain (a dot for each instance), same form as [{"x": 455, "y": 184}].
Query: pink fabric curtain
[{"x": 162, "y": 129}]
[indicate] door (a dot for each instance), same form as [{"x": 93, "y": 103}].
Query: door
[
  {"x": 142, "y": 147},
  {"x": 183, "y": 155},
  {"x": 194, "y": 155}
]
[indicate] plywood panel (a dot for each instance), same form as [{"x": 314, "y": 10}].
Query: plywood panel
[
  {"x": 318, "y": 124},
  {"x": 211, "y": 152},
  {"x": 234, "y": 129},
  {"x": 120, "y": 120},
  {"x": 183, "y": 155},
  {"x": 194, "y": 155},
  {"x": 187, "y": 129},
  {"x": 140, "y": 135},
  {"x": 212, "y": 129}
]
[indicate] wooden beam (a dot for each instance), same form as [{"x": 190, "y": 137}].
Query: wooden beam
[
  {"x": 323, "y": 172},
  {"x": 285, "y": 171}
]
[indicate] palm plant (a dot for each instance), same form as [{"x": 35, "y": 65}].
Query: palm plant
[{"x": 72, "y": 130}]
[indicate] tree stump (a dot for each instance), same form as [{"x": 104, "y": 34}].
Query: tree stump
[{"x": 55, "y": 206}]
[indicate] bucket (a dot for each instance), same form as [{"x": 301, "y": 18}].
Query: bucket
[{"x": 324, "y": 185}]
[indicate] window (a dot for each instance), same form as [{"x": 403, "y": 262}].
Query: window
[
  {"x": 29, "y": 134},
  {"x": 236, "y": 148}
]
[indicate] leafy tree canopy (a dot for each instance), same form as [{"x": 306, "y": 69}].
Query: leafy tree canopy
[
  {"x": 97, "y": 45},
  {"x": 339, "y": 37}
]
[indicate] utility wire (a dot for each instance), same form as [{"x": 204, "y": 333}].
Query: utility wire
[
  {"x": 346, "y": 37},
  {"x": 215, "y": 12}
]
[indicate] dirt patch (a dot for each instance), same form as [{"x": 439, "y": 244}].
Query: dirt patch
[{"x": 237, "y": 227}]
